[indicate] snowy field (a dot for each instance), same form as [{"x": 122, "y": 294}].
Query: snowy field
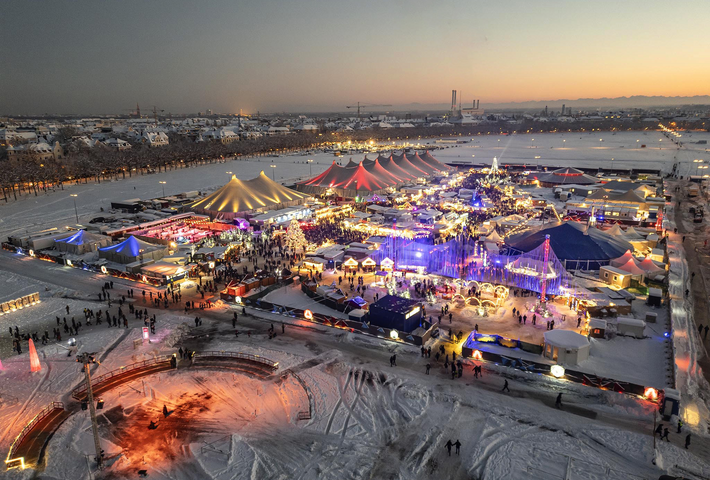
[
  {"x": 370, "y": 420},
  {"x": 56, "y": 209}
]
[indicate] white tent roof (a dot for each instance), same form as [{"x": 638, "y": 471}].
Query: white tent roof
[
  {"x": 494, "y": 237},
  {"x": 622, "y": 259},
  {"x": 566, "y": 339},
  {"x": 615, "y": 230}
]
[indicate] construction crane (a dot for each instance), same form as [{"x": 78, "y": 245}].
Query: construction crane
[
  {"x": 155, "y": 113},
  {"x": 361, "y": 106}
]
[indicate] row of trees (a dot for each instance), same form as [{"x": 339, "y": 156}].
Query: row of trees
[{"x": 31, "y": 173}]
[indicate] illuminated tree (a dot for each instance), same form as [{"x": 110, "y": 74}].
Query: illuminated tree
[{"x": 295, "y": 239}]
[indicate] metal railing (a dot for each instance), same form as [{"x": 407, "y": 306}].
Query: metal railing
[
  {"x": 303, "y": 415},
  {"x": 245, "y": 356},
  {"x": 20, "y": 461},
  {"x": 79, "y": 391}
]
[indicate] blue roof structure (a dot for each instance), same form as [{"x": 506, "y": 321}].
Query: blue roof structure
[
  {"x": 573, "y": 241},
  {"x": 130, "y": 247},
  {"x": 76, "y": 239}
]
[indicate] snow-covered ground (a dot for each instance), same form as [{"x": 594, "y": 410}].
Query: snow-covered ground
[
  {"x": 56, "y": 209},
  {"x": 370, "y": 420}
]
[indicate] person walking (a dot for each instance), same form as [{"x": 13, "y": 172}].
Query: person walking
[
  {"x": 165, "y": 411},
  {"x": 428, "y": 367},
  {"x": 665, "y": 434},
  {"x": 457, "y": 444},
  {"x": 659, "y": 430},
  {"x": 448, "y": 446},
  {"x": 680, "y": 425},
  {"x": 558, "y": 402},
  {"x": 505, "y": 387},
  {"x": 687, "y": 441}
]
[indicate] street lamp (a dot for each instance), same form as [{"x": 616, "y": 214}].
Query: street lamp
[
  {"x": 163, "y": 184},
  {"x": 272, "y": 172},
  {"x": 76, "y": 212},
  {"x": 310, "y": 167},
  {"x": 531, "y": 142}
]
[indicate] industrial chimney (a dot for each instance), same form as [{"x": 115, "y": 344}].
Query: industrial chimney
[{"x": 453, "y": 100}]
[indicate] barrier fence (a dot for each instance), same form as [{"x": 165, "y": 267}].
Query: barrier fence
[
  {"x": 246, "y": 356},
  {"x": 78, "y": 392},
  {"x": 12, "y": 462}
]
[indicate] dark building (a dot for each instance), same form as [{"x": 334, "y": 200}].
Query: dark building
[{"x": 395, "y": 312}]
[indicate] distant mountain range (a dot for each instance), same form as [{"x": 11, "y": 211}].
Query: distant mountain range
[{"x": 636, "y": 101}]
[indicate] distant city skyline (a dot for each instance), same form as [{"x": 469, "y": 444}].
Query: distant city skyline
[{"x": 74, "y": 57}]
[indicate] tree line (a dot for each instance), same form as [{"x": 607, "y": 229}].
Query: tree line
[{"x": 31, "y": 174}]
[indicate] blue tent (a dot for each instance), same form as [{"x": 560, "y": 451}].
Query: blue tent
[
  {"x": 131, "y": 250},
  {"x": 575, "y": 245},
  {"x": 81, "y": 242}
]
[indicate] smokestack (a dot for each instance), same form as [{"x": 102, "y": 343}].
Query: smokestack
[
  {"x": 563, "y": 109},
  {"x": 453, "y": 100}
]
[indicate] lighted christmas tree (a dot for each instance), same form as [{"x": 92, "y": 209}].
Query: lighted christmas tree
[{"x": 295, "y": 239}]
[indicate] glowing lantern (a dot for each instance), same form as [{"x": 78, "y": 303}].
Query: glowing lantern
[
  {"x": 308, "y": 315},
  {"x": 32, "y": 253},
  {"x": 394, "y": 335},
  {"x": 557, "y": 371},
  {"x": 104, "y": 270},
  {"x": 146, "y": 335},
  {"x": 651, "y": 394},
  {"x": 477, "y": 355},
  {"x": 144, "y": 278},
  {"x": 34, "y": 358}
]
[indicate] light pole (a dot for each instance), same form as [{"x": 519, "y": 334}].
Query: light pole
[
  {"x": 310, "y": 167},
  {"x": 76, "y": 212},
  {"x": 272, "y": 172},
  {"x": 563, "y": 142},
  {"x": 87, "y": 359},
  {"x": 163, "y": 184},
  {"x": 531, "y": 142}
]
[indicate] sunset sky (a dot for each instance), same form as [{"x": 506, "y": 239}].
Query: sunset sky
[{"x": 185, "y": 56}]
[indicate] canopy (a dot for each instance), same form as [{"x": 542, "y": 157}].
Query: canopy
[
  {"x": 403, "y": 162},
  {"x": 649, "y": 266},
  {"x": 430, "y": 160},
  {"x": 494, "y": 237},
  {"x": 389, "y": 164},
  {"x": 243, "y": 196},
  {"x": 615, "y": 230},
  {"x": 129, "y": 247},
  {"x": 622, "y": 259},
  {"x": 420, "y": 164},
  {"x": 381, "y": 173},
  {"x": 572, "y": 241},
  {"x": 81, "y": 237},
  {"x": 632, "y": 268},
  {"x": 132, "y": 249}
]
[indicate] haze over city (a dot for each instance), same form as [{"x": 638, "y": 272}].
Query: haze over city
[{"x": 186, "y": 56}]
